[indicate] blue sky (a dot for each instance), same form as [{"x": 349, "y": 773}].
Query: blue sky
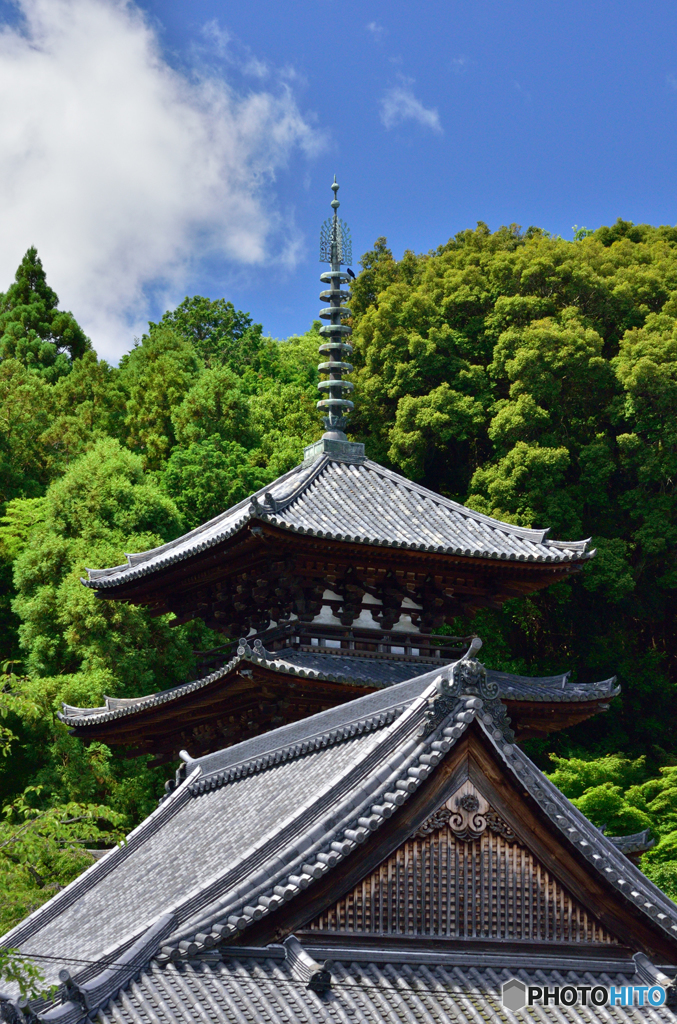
[{"x": 175, "y": 147}]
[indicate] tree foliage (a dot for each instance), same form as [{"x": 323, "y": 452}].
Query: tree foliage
[
  {"x": 209, "y": 476},
  {"x": 220, "y": 334},
  {"x": 42, "y": 850},
  {"x": 32, "y": 329},
  {"x": 530, "y": 377},
  {"x": 618, "y": 795},
  {"x": 533, "y": 379}
]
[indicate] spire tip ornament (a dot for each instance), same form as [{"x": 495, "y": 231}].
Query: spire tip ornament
[{"x": 335, "y": 249}]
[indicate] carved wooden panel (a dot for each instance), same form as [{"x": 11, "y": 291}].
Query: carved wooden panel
[{"x": 463, "y": 875}]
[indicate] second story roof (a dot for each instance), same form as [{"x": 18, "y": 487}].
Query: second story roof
[{"x": 258, "y": 689}]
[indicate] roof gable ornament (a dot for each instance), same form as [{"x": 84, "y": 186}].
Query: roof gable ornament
[
  {"x": 467, "y": 814},
  {"x": 467, "y": 678},
  {"x": 336, "y": 250}
]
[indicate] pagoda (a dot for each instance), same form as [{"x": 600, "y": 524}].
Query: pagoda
[
  {"x": 334, "y": 577},
  {"x": 391, "y": 855}
]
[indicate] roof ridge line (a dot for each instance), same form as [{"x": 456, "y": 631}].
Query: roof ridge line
[
  {"x": 435, "y": 707},
  {"x": 351, "y": 652},
  {"x": 580, "y": 545},
  {"x": 354, "y": 538},
  {"x": 271, "y": 875},
  {"x": 274, "y": 847},
  {"x": 539, "y": 535},
  {"x": 248, "y": 655},
  {"x": 72, "y": 715},
  {"x": 463, "y": 531},
  {"x": 491, "y": 716},
  {"x": 395, "y": 695},
  {"x": 280, "y": 504},
  {"x": 168, "y": 545},
  {"x": 632, "y": 883},
  {"x": 297, "y": 749}
]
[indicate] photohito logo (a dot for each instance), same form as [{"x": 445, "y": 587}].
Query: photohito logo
[{"x": 516, "y": 995}]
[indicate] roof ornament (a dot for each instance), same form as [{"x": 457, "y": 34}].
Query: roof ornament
[{"x": 335, "y": 249}]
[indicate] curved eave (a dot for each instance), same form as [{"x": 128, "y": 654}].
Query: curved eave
[
  {"x": 142, "y": 582},
  {"x": 575, "y": 830},
  {"x": 292, "y": 504},
  {"x": 518, "y": 691},
  {"x": 403, "y": 755},
  {"x": 578, "y": 834}
]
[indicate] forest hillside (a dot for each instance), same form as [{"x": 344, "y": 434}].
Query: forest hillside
[{"x": 532, "y": 378}]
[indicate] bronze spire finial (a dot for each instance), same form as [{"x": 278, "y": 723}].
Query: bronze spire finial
[{"x": 335, "y": 249}]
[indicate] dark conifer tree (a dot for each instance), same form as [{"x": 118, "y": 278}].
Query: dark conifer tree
[{"x": 32, "y": 329}]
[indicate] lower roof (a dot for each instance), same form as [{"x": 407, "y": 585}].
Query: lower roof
[
  {"x": 246, "y": 835},
  {"x": 251, "y": 990},
  {"x": 377, "y": 671}
]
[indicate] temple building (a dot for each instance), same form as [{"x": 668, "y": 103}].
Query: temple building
[
  {"x": 396, "y": 858},
  {"x": 334, "y": 577},
  {"x": 354, "y": 833}
]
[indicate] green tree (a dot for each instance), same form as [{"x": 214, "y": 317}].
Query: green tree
[
  {"x": 157, "y": 375},
  {"x": 76, "y": 648},
  {"x": 101, "y": 507},
  {"x": 379, "y": 269},
  {"x": 619, "y": 794},
  {"x": 215, "y": 406},
  {"x": 32, "y": 329},
  {"x": 21, "y": 518},
  {"x": 209, "y": 477},
  {"x": 88, "y": 404},
  {"x": 532, "y": 378},
  {"x": 42, "y": 850},
  {"x": 18, "y": 969},
  {"x": 296, "y": 362},
  {"x": 220, "y": 334},
  {"x": 26, "y": 411}
]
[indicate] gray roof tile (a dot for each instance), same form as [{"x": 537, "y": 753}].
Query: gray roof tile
[
  {"x": 360, "y": 502},
  {"x": 354, "y": 669},
  {"x": 172, "y": 864},
  {"x": 246, "y": 821},
  {"x": 254, "y": 990}
]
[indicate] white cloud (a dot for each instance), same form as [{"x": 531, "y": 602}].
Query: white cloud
[
  {"x": 124, "y": 172},
  {"x": 230, "y": 49},
  {"x": 460, "y": 65},
  {"x": 399, "y": 104},
  {"x": 376, "y": 30}
]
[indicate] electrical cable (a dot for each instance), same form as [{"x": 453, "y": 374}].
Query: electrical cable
[{"x": 274, "y": 981}]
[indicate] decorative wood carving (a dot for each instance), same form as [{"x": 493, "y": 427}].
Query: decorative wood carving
[
  {"x": 467, "y": 814},
  {"x": 461, "y": 875}
]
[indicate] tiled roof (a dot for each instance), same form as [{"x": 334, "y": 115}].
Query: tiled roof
[
  {"x": 354, "y": 669},
  {"x": 255, "y": 825},
  {"x": 361, "y": 502},
  {"x": 251, "y": 990},
  {"x": 638, "y": 842},
  {"x": 188, "y": 850}
]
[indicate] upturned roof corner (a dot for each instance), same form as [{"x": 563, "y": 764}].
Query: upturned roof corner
[{"x": 398, "y": 767}]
